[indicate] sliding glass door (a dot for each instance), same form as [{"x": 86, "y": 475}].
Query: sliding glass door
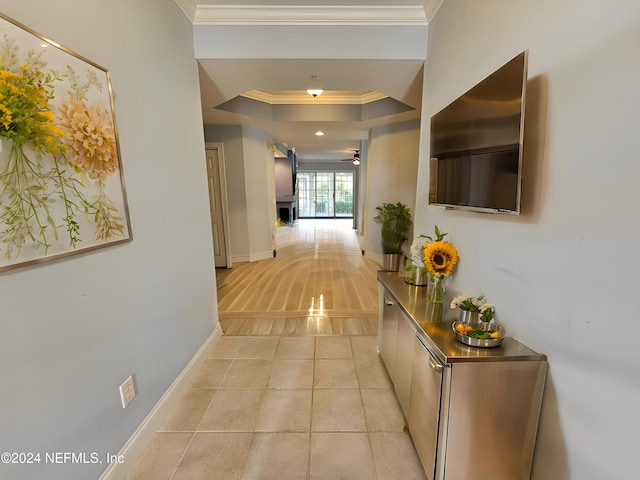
[{"x": 325, "y": 194}]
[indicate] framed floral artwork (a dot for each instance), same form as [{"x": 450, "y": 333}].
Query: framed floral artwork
[{"x": 61, "y": 182}]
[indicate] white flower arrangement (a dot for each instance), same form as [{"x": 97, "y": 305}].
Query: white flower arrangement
[
  {"x": 475, "y": 304},
  {"x": 417, "y": 249},
  {"x": 415, "y": 262}
]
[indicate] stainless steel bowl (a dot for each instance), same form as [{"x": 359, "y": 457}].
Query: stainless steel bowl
[{"x": 478, "y": 342}]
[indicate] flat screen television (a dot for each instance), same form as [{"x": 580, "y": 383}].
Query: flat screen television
[{"x": 476, "y": 144}]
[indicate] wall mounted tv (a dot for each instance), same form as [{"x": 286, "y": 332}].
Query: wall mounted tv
[{"x": 476, "y": 144}]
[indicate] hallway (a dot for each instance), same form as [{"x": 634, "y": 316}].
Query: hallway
[
  {"x": 296, "y": 390},
  {"x": 318, "y": 269}
]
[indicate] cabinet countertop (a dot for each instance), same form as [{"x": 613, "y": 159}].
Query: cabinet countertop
[{"x": 435, "y": 329}]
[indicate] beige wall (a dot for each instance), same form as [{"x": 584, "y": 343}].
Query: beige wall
[{"x": 563, "y": 275}]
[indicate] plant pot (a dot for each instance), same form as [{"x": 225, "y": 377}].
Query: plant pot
[
  {"x": 469, "y": 318},
  {"x": 391, "y": 262}
]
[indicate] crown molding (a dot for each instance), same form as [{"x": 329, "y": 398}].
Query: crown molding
[
  {"x": 307, "y": 15},
  {"x": 303, "y": 98},
  {"x": 316, "y": 15}
]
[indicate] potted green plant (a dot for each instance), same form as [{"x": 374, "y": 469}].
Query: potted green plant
[{"x": 395, "y": 219}]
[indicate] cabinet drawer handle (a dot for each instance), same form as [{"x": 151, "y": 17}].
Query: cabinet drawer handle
[
  {"x": 388, "y": 302},
  {"x": 437, "y": 367}
]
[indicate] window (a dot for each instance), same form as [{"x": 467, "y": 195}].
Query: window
[{"x": 325, "y": 194}]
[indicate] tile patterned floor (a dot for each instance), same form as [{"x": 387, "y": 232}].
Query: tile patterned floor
[{"x": 285, "y": 408}]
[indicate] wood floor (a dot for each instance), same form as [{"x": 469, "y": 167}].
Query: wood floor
[{"x": 318, "y": 284}]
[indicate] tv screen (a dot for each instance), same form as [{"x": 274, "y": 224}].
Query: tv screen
[{"x": 476, "y": 144}]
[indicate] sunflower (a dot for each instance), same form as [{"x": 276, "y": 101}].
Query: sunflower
[{"x": 440, "y": 257}]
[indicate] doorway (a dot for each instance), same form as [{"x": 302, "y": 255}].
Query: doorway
[
  {"x": 325, "y": 194},
  {"x": 218, "y": 204}
]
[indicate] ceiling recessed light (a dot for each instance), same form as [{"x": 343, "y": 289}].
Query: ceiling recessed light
[
  {"x": 314, "y": 92},
  {"x": 319, "y": 133}
]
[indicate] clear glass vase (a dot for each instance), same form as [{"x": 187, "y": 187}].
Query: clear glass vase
[
  {"x": 436, "y": 286},
  {"x": 421, "y": 277},
  {"x": 410, "y": 273}
]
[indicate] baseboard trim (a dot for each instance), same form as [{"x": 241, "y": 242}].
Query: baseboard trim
[
  {"x": 255, "y": 257},
  {"x": 152, "y": 422}
]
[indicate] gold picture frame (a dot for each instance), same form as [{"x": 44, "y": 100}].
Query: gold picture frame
[{"x": 62, "y": 188}]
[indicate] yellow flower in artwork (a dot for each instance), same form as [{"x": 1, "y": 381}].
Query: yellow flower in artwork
[
  {"x": 440, "y": 257},
  {"x": 47, "y": 114},
  {"x": 24, "y": 112}
]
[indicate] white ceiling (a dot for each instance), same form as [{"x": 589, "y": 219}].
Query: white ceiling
[{"x": 278, "y": 80}]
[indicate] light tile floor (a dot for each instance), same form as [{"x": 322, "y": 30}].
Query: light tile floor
[{"x": 285, "y": 408}]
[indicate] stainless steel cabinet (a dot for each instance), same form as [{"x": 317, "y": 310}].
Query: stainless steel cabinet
[
  {"x": 426, "y": 392},
  {"x": 396, "y": 334},
  {"x": 492, "y": 420},
  {"x": 388, "y": 332},
  {"x": 404, "y": 361},
  {"x": 472, "y": 412}
]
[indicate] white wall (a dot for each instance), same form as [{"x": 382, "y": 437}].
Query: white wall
[
  {"x": 73, "y": 330},
  {"x": 310, "y": 41},
  {"x": 250, "y": 189},
  {"x": 260, "y": 186},
  {"x": 272, "y": 214},
  {"x": 392, "y": 166},
  {"x": 232, "y": 139},
  {"x": 564, "y": 274}
]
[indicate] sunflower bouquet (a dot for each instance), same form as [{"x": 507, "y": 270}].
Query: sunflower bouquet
[{"x": 440, "y": 257}]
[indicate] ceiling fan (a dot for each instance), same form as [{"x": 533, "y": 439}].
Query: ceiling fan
[{"x": 355, "y": 160}]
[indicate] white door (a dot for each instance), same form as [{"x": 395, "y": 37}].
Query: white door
[{"x": 217, "y": 200}]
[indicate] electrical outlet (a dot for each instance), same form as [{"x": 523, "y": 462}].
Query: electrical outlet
[{"x": 127, "y": 391}]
